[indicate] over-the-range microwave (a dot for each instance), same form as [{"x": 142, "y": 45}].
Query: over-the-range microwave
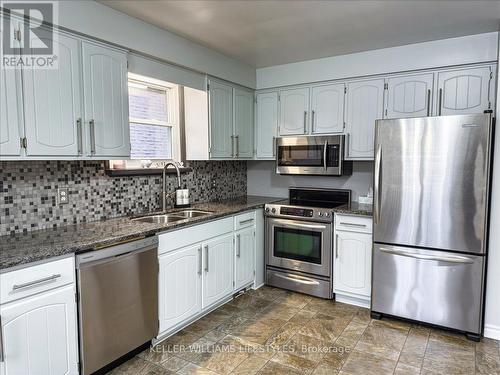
[{"x": 312, "y": 155}]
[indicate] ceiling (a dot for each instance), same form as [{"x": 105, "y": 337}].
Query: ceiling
[{"x": 270, "y": 32}]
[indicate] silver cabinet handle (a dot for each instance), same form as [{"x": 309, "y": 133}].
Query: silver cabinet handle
[
  {"x": 274, "y": 146},
  {"x": 353, "y": 225},
  {"x": 449, "y": 259},
  {"x": 79, "y": 136},
  {"x": 313, "y": 115},
  {"x": 199, "y": 261},
  {"x": 325, "y": 148},
  {"x": 347, "y": 142},
  {"x": 92, "y": 136},
  {"x": 2, "y": 356},
  {"x": 440, "y": 101},
  {"x": 39, "y": 281},
  {"x": 305, "y": 122},
  {"x": 206, "y": 256},
  {"x": 377, "y": 182},
  {"x": 428, "y": 103},
  {"x": 298, "y": 279},
  {"x": 232, "y": 146},
  {"x": 238, "y": 245},
  {"x": 246, "y": 221},
  {"x": 237, "y": 137},
  {"x": 336, "y": 246}
]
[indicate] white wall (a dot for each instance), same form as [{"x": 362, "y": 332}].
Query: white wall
[
  {"x": 100, "y": 21},
  {"x": 446, "y": 52},
  {"x": 263, "y": 180},
  {"x": 492, "y": 315}
]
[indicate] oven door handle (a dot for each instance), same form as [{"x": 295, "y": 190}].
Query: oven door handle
[
  {"x": 298, "y": 279},
  {"x": 286, "y": 223}
]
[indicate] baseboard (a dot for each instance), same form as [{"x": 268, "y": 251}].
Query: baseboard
[
  {"x": 352, "y": 301},
  {"x": 492, "y": 332},
  {"x": 255, "y": 287}
]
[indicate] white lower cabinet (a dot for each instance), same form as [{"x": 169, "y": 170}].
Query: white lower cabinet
[
  {"x": 39, "y": 334},
  {"x": 244, "y": 260},
  {"x": 218, "y": 269},
  {"x": 353, "y": 262},
  {"x": 180, "y": 286},
  {"x": 200, "y": 268}
]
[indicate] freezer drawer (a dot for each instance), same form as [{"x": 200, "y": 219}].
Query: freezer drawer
[{"x": 435, "y": 287}]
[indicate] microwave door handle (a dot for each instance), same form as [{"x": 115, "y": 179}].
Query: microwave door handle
[{"x": 325, "y": 148}]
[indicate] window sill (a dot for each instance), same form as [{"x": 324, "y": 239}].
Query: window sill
[{"x": 144, "y": 171}]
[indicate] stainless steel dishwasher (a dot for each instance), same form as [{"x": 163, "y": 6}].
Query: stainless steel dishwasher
[{"x": 117, "y": 301}]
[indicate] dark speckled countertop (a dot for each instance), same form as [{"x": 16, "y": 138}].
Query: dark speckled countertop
[{"x": 20, "y": 249}]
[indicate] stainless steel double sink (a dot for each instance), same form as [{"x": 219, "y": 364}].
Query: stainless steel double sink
[{"x": 172, "y": 216}]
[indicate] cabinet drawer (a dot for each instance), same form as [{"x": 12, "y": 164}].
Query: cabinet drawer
[
  {"x": 353, "y": 223},
  {"x": 33, "y": 280},
  {"x": 197, "y": 233},
  {"x": 244, "y": 220}
]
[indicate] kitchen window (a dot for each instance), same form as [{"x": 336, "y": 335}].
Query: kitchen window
[{"x": 154, "y": 124}]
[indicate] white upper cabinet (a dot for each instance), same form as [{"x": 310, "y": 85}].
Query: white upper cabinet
[
  {"x": 244, "y": 264},
  {"x": 106, "y": 100},
  {"x": 218, "y": 269},
  {"x": 266, "y": 124},
  {"x": 179, "y": 286},
  {"x": 465, "y": 91},
  {"x": 327, "y": 109},
  {"x": 294, "y": 111},
  {"x": 409, "y": 96},
  {"x": 40, "y": 335},
  {"x": 243, "y": 123},
  {"x": 11, "y": 125},
  {"x": 364, "y": 105},
  {"x": 52, "y": 103},
  {"x": 221, "y": 120}
]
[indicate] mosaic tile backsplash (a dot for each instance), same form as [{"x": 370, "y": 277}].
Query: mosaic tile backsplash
[{"x": 28, "y": 191}]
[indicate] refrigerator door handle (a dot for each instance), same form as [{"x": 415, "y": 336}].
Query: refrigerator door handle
[
  {"x": 377, "y": 182},
  {"x": 448, "y": 259}
]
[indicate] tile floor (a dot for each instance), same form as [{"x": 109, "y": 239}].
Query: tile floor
[{"x": 271, "y": 332}]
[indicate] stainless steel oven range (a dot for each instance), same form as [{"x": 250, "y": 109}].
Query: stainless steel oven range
[{"x": 299, "y": 243}]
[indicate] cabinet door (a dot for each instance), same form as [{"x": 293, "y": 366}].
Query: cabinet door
[
  {"x": 11, "y": 126},
  {"x": 294, "y": 111},
  {"x": 218, "y": 269},
  {"x": 53, "y": 104},
  {"x": 464, "y": 91},
  {"x": 244, "y": 265},
  {"x": 179, "y": 286},
  {"x": 266, "y": 124},
  {"x": 365, "y": 104},
  {"x": 409, "y": 96},
  {"x": 243, "y": 123},
  {"x": 327, "y": 109},
  {"x": 39, "y": 334},
  {"x": 106, "y": 100},
  {"x": 221, "y": 120},
  {"x": 353, "y": 259}
]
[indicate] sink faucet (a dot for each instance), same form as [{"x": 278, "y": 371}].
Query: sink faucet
[{"x": 164, "y": 195}]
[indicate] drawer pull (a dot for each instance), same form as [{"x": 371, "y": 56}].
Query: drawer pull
[
  {"x": 353, "y": 225},
  {"x": 39, "y": 281},
  {"x": 246, "y": 221}
]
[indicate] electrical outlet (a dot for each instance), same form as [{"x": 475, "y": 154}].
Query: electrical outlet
[{"x": 62, "y": 195}]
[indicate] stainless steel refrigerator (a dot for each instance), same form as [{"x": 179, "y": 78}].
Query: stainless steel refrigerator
[{"x": 431, "y": 194}]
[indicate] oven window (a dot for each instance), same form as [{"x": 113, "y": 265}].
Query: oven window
[
  {"x": 300, "y": 156},
  {"x": 297, "y": 244}
]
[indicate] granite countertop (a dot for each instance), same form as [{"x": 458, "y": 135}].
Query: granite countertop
[
  {"x": 20, "y": 249},
  {"x": 355, "y": 208}
]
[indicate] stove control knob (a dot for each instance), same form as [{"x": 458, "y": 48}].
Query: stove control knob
[
  {"x": 273, "y": 210},
  {"x": 327, "y": 214},
  {"x": 267, "y": 209},
  {"x": 320, "y": 214}
]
